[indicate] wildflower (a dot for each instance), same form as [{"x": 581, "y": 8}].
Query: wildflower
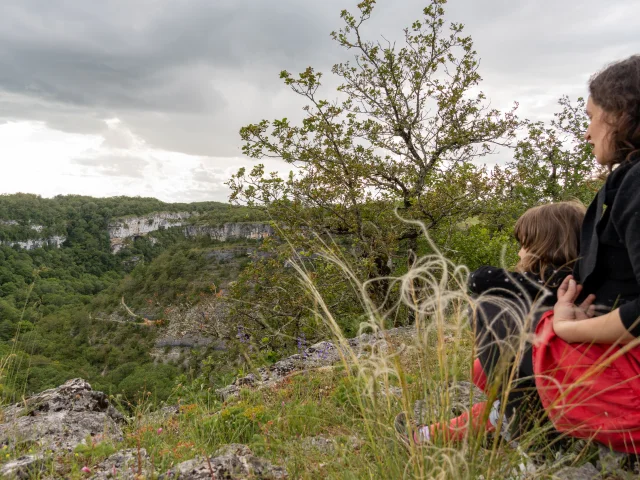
[
  {"x": 159, "y": 430},
  {"x": 86, "y": 469}
]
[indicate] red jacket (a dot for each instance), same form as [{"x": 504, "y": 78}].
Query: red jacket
[{"x": 589, "y": 391}]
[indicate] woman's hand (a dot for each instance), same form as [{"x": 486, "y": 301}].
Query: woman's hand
[{"x": 566, "y": 311}]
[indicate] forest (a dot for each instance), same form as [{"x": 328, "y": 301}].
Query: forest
[{"x": 55, "y": 302}]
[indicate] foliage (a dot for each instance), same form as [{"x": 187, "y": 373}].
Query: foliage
[
  {"x": 61, "y": 314},
  {"x": 552, "y": 163},
  {"x": 404, "y": 137}
]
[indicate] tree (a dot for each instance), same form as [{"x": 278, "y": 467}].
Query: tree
[
  {"x": 552, "y": 163},
  {"x": 404, "y": 136}
]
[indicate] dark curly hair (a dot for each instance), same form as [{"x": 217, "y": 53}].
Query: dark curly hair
[{"x": 616, "y": 90}]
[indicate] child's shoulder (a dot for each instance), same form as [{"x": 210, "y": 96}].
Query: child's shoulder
[{"x": 489, "y": 277}]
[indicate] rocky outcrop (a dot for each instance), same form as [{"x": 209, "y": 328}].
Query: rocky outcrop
[
  {"x": 32, "y": 226},
  {"x": 125, "y": 228},
  {"x": 584, "y": 472},
  {"x": 230, "y": 231},
  {"x": 201, "y": 326},
  {"x": 56, "y": 420},
  {"x": 61, "y": 418},
  {"x": 31, "y": 244},
  {"x": 132, "y": 226},
  {"x": 232, "y": 462},
  {"x": 53, "y": 423},
  {"x": 129, "y": 464},
  {"x": 319, "y": 355}
]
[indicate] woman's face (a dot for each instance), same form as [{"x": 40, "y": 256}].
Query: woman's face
[{"x": 598, "y": 133}]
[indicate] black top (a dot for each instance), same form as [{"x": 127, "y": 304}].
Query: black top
[
  {"x": 609, "y": 264},
  {"x": 514, "y": 285}
]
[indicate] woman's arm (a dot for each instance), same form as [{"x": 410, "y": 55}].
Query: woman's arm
[
  {"x": 576, "y": 324},
  {"x": 606, "y": 329}
]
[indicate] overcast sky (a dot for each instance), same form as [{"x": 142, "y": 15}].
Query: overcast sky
[{"x": 146, "y": 97}]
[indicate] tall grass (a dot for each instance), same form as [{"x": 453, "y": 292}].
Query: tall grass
[{"x": 437, "y": 357}]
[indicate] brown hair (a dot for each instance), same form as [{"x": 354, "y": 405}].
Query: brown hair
[
  {"x": 616, "y": 90},
  {"x": 551, "y": 235}
]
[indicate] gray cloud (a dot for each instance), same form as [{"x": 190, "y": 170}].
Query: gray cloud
[
  {"x": 185, "y": 75},
  {"x": 113, "y": 165}
]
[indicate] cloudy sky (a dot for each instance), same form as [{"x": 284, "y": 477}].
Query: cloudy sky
[{"x": 146, "y": 97}]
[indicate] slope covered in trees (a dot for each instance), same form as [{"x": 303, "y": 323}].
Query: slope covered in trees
[{"x": 55, "y": 303}]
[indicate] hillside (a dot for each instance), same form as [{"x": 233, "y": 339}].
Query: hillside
[{"x": 88, "y": 285}]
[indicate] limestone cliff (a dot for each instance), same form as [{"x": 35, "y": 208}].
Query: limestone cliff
[
  {"x": 228, "y": 231},
  {"x": 33, "y": 243},
  {"x": 123, "y": 229}
]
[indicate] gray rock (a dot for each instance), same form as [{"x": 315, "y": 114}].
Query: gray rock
[
  {"x": 320, "y": 443},
  {"x": 328, "y": 445},
  {"x": 233, "y": 449},
  {"x": 238, "y": 462},
  {"x": 614, "y": 464},
  {"x": 319, "y": 355},
  {"x": 23, "y": 467},
  {"x": 61, "y": 418},
  {"x": 585, "y": 472},
  {"x": 124, "y": 465}
]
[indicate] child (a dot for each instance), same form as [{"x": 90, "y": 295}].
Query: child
[{"x": 509, "y": 304}]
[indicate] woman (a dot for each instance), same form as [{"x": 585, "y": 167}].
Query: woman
[{"x": 587, "y": 366}]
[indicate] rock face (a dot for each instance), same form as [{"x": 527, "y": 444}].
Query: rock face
[
  {"x": 232, "y": 462},
  {"x": 319, "y": 355},
  {"x": 129, "y": 464},
  {"x": 585, "y": 472},
  {"x": 61, "y": 418},
  {"x": 131, "y": 226},
  {"x": 33, "y": 243},
  {"x": 122, "y": 229},
  {"x": 56, "y": 420},
  {"x": 25, "y": 467},
  {"x": 229, "y": 231}
]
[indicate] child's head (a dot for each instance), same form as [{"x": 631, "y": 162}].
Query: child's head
[{"x": 549, "y": 236}]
